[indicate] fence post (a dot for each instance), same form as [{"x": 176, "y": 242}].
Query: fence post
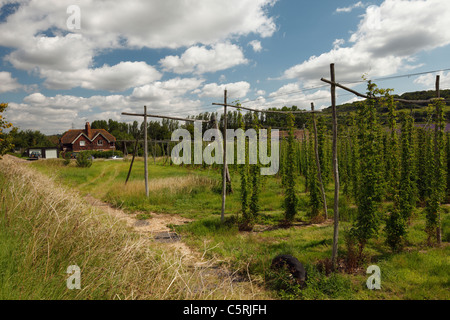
[
  {"x": 224, "y": 175},
  {"x": 145, "y": 151},
  {"x": 335, "y": 169}
]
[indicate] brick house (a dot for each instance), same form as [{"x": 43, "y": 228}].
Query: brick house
[{"x": 87, "y": 139}]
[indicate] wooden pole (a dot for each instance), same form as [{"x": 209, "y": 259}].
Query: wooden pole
[
  {"x": 154, "y": 152},
  {"x": 224, "y": 176},
  {"x": 145, "y": 152},
  {"x": 132, "y": 160},
  {"x": 333, "y": 83},
  {"x": 335, "y": 169},
  {"x": 438, "y": 94},
  {"x": 216, "y": 126},
  {"x": 438, "y": 91},
  {"x": 319, "y": 170}
]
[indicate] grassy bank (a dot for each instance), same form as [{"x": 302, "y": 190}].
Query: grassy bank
[
  {"x": 420, "y": 272},
  {"x": 45, "y": 228}
]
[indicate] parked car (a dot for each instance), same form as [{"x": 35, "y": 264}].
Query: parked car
[
  {"x": 34, "y": 156},
  {"x": 116, "y": 158}
]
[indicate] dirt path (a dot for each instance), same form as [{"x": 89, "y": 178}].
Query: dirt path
[{"x": 155, "y": 227}]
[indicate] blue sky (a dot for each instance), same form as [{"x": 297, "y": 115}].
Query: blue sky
[{"x": 177, "y": 56}]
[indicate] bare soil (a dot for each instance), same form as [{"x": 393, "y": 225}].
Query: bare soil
[{"x": 157, "y": 224}]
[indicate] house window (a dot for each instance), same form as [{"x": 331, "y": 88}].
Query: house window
[
  {"x": 100, "y": 142},
  {"x": 82, "y": 143}
]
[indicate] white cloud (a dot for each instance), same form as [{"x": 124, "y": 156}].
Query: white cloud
[
  {"x": 386, "y": 41},
  {"x": 291, "y": 95},
  {"x": 428, "y": 81},
  {"x": 56, "y": 114},
  {"x": 201, "y": 60},
  {"x": 256, "y": 45},
  {"x": 62, "y": 53},
  {"x": 160, "y": 91},
  {"x": 8, "y": 83},
  {"x": 141, "y": 23},
  {"x": 119, "y": 77},
  {"x": 234, "y": 90},
  {"x": 41, "y": 42},
  {"x": 351, "y": 8}
]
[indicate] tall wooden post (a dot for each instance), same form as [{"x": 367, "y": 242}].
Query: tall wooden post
[
  {"x": 437, "y": 156},
  {"x": 132, "y": 160},
  {"x": 319, "y": 170},
  {"x": 145, "y": 152},
  {"x": 335, "y": 169},
  {"x": 224, "y": 175}
]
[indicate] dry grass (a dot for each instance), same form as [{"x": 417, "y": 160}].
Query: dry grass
[
  {"x": 170, "y": 185},
  {"x": 51, "y": 228}
]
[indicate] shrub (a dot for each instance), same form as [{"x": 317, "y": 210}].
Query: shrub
[
  {"x": 83, "y": 160},
  {"x": 66, "y": 157}
]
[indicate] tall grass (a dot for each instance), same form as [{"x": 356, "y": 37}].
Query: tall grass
[{"x": 45, "y": 228}]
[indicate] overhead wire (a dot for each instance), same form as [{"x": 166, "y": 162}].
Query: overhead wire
[{"x": 273, "y": 96}]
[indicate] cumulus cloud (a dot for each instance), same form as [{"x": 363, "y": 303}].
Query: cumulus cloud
[
  {"x": 119, "y": 77},
  {"x": 201, "y": 60},
  {"x": 56, "y": 114},
  {"x": 234, "y": 90},
  {"x": 386, "y": 41},
  {"x": 428, "y": 81},
  {"x": 8, "y": 83},
  {"x": 256, "y": 45},
  {"x": 291, "y": 95},
  {"x": 42, "y": 43},
  {"x": 63, "y": 53},
  {"x": 160, "y": 91}
]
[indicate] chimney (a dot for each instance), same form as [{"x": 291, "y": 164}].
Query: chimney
[{"x": 88, "y": 130}]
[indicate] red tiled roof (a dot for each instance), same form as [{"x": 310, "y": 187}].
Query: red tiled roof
[{"x": 71, "y": 135}]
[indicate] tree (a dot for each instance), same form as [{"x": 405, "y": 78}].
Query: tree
[{"x": 5, "y": 139}]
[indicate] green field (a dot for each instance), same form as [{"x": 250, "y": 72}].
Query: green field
[{"x": 420, "y": 272}]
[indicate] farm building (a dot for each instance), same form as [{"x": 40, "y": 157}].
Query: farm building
[
  {"x": 43, "y": 152},
  {"x": 87, "y": 139}
]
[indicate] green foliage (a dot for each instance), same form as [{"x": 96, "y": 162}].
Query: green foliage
[
  {"x": 84, "y": 160},
  {"x": 30, "y": 138},
  {"x": 396, "y": 227},
  {"x": 247, "y": 217},
  {"x": 315, "y": 199},
  {"x": 324, "y": 150},
  {"x": 424, "y": 165},
  {"x": 371, "y": 181},
  {"x": 318, "y": 285},
  {"x": 66, "y": 156},
  {"x": 255, "y": 177},
  {"x": 433, "y": 205},
  {"x": 290, "y": 199},
  {"x": 407, "y": 188},
  {"x": 6, "y": 143}
]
